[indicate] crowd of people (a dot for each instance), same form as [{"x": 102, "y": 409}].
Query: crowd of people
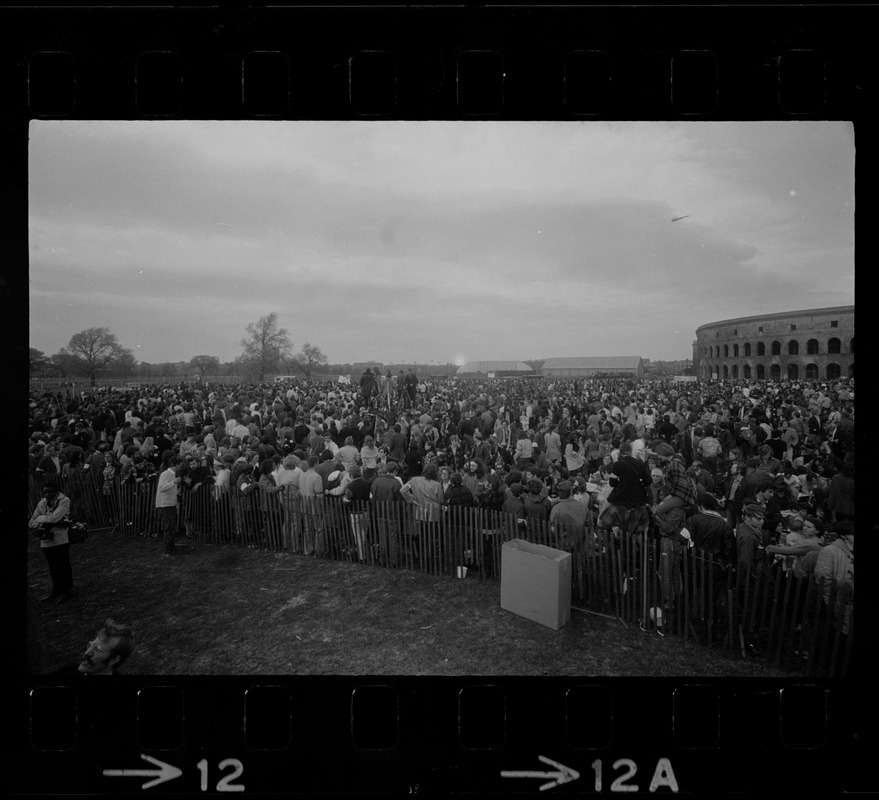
[{"x": 756, "y": 472}]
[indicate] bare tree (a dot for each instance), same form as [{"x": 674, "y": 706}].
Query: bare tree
[
  {"x": 205, "y": 363},
  {"x": 93, "y": 351},
  {"x": 265, "y": 346},
  {"x": 309, "y": 357}
]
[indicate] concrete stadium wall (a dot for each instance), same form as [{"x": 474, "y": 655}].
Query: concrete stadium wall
[{"x": 811, "y": 344}]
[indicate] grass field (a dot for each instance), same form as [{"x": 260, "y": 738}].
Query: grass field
[{"x": 221, "y": 610}]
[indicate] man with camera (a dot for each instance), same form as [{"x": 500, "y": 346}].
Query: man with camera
[{"x": 49, "y": 523}]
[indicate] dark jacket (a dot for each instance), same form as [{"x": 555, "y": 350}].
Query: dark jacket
[{"x": 633, "y": 478}]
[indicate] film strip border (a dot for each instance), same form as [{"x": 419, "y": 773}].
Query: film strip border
[
  {"x": 422, "y": 735},
  {"x": 719, "y": 63},
  {"x": 446, "y": 736}
]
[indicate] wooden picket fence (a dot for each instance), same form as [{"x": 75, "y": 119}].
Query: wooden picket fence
[{"x": 645, "y": 581}]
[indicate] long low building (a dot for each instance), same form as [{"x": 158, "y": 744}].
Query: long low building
[
  {"x": 498, "y": 369},
  {"x": 583, "y": 367}
]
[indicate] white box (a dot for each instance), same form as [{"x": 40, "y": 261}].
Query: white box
[{"x": 536, "y": 582}]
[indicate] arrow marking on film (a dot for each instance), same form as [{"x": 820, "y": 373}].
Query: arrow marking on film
[
  {"x": 562, "y": 775},
  {"x": 165, "y": 772}
]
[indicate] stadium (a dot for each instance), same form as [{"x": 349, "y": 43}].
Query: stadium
[{"x": 812, "y": 344}]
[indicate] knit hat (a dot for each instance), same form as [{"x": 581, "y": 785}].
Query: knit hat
[
  {"x": 663, "y": 451},
  {"x": 754, "y": 510}
]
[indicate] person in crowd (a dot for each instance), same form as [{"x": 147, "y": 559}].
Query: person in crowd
[
  {"x": 841, "y": 491},
  {"x": 553, "y": 445},
  {"x": 752, "y": 539},
  {"x": 524, "y": 449},
  {"x": 835, "y": 566},
  {"x": 356, "y": 501},
  {"x": 537, "y": 504},
  {"x": 473, "y": 478},
  {"x": 657, "y": 489},
  {"x": 348, "y": 453},
  {"x": 805, "y": 536},
  {"x": 386, "y": 492},
  {"x": 51, "y": 462},
  {"x": 367, "y": 387},
  {"x": 268, "y": 423},
  {"x": 269, "y": 502},
  {"x": 369, "y": 458},
  {"x": 491, "y": 496},
  {"x": 670, "y": 516},
  {"x": 167, "y": 502},
  {"x": 311, "y": 492},
  {"x": 424, "y": 491},
  {"x": 457, "y": 494},
  {"x": 567, "y": 520},
  {"x": 414, "y": 460},
  {"x": 50, "y": 522},
  {"x": 768, "y": 461},
  {"x": 710, "y": 531}
]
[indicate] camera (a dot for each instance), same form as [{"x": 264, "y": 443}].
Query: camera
[{"x": 45, "y": 531}]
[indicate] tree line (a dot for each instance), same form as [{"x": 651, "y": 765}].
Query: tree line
[{"x": 96, "y": 353}]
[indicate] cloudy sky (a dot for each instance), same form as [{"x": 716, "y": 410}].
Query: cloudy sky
[{"x": 433, "y": 241}]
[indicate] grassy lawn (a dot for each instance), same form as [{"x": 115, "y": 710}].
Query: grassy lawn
[{"x": 221, "y": 610}]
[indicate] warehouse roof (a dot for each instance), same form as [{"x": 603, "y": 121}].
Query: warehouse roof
[
  {"x": 493, "y": 366},
  {"x": 593, "y": 362}
]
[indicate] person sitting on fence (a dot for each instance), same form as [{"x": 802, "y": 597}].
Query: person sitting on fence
[{"x": 625, "y": 510}]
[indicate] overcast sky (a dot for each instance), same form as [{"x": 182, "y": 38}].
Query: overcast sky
[{"x": 433, "y": 241}]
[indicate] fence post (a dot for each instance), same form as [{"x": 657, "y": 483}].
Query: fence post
[
  {"x": 829, "y": 625},
  {"x": 785, "y": 621},
  {"x": 776, "y": 580},
  {"x": 818, "y": 627}
]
